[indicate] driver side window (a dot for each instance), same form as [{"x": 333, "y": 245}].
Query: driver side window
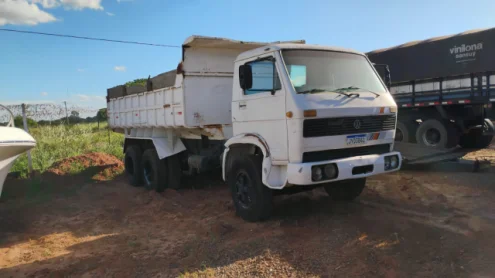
[{"x": 265, "y": 77}]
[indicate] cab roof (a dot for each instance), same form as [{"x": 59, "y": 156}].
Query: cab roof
[
  {"x": 282, "y": 46},
  {"x": 250, "y": 49}
]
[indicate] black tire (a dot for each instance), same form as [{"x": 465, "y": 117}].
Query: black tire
[
  {"x": 475, "y": 137},
  {"x": 405, "y": 132},
  {"x": 154, "y": 171},
  {"x": 437, "y": 133},
  {"x": 346, "y": 190},
  {"x": 174, "y": 172},
  {"x": 132, "y": 164},
  {"x": 252, "y": 199}
]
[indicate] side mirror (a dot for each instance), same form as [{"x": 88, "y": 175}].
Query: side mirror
[
  {"x": 246, "y": 77},
  {"x": 384, "y": 72},
  {"x": 388, "y": 79}
]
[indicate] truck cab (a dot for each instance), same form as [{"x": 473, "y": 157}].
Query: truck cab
[{"x": 319, "y": 115}]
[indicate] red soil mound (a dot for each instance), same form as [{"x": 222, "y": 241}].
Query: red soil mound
[{"x": 100, "y": 166}]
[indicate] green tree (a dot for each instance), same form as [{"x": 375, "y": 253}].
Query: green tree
[
  {"x": 74, "y": 114},
  {"x": 139, "y": 81},
  {"x": 19, "y": 123},
  {"x": 101, "y": 115}
]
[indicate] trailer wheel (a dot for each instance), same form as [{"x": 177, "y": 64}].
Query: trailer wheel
[
  {"x": 346, "y": 190},
  {"x": 404, "y": 132},
  {"x": 154, "y": 171},
  {"x": 475, "y": 137},
  {"x": 132, "y": 164},
  {"x": 437, "y": 133},
  {"x": 252, "y": 199},
  {"x": 174, "y": 172}
]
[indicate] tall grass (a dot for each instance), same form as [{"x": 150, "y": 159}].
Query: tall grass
[{"x": 56, "y": 142}]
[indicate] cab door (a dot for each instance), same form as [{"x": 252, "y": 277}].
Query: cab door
[{"x": 261, "y": 108}]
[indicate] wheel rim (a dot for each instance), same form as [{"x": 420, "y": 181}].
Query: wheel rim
[
  {"x": 486, "y": 128},
  {"x": 148, "y": 173},
  {"x": 399, "y": 136},
  {"x": 431, "y": 137},
  {"x": 243, "y": 186}
]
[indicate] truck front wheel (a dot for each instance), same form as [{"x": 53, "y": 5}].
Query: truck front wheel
[
  {"x": 346, "y": 190},
  {"x": 252, "y": 199},
  {"x": 437, "y": 133},
  {"x": 132, "y": 164}
]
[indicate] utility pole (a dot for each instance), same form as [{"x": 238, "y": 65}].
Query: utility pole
[
  {"x": 24, "y": 121},
  {"x": 66, "y": 115}
]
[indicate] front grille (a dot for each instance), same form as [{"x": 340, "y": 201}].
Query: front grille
[
  {"x": 341, "y": 126},
  {"x": 343, "y": 153}
]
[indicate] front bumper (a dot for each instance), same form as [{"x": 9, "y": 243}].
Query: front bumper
[{"x": 300, "y": 173}]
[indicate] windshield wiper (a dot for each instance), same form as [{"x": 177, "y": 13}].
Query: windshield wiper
[
  {"x": 350, "y": 88},
  {"x": 312, "y": 91}
]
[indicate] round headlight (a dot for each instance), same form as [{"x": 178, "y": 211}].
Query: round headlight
[
  {"x": 330, "y": 171},
  {"x": 394, "y": 161},
  {"x": 316, "y": 173},
  {"x": 387, "y": 163}
]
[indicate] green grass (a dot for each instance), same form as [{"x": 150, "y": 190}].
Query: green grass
[{"x": 57, "y": 142}]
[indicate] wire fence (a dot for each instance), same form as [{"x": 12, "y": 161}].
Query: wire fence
[
  {"x": 61, "y": 133},
  {"x": 49, "y": 112}
]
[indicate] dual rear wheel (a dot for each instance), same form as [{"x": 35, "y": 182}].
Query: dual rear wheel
[{"x": 148, "y": 170}]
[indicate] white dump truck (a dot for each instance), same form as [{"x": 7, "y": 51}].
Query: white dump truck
[{"x": 275, "y": 117}]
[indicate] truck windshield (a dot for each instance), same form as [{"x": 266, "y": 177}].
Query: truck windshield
[{"x": 318, "y": 71}]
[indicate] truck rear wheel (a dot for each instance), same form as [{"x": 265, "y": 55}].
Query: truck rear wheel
[
  {"x": 132, "y": 164},
  {"x": 437, "y": 133},
  {"x": 174, "y": 172},
  {"x": 475, "y": 137},
  {"x": 346, "y": 190},
  {"x": 252, "y": 199},
  {"x": 154, "y": 171}
]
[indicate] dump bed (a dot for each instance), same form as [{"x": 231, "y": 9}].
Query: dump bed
[{"x": 200, "y": 96}]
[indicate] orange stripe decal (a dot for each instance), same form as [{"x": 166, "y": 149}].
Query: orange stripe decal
[
  {"x": 375, "y": 136},
  {"x": 382, "y": 110}
]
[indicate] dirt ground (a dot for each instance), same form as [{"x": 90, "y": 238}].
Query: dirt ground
[{"x": 419, "y": 222}]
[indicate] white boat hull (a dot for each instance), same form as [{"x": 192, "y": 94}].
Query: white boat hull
[
  {"x": 5, "y": 166},
  {"x": 13, "y": 142}
]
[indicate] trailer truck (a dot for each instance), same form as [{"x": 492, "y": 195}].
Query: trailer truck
[
  {"x": 275, "y": 117},
  {"x": 444, "y": 88}
]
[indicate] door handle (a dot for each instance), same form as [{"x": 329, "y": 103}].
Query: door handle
[{"x": 243, "y": 105}]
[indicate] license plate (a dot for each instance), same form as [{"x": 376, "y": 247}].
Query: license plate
[{"x": 356, "y": 139}]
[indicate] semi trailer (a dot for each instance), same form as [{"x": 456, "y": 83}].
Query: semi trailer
[
  {"x": 275, "y": 117},
  {"x": 444, "y": 88}
]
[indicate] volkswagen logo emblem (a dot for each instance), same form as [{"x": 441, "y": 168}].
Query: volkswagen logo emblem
[{"x": 357, "y": 124}]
